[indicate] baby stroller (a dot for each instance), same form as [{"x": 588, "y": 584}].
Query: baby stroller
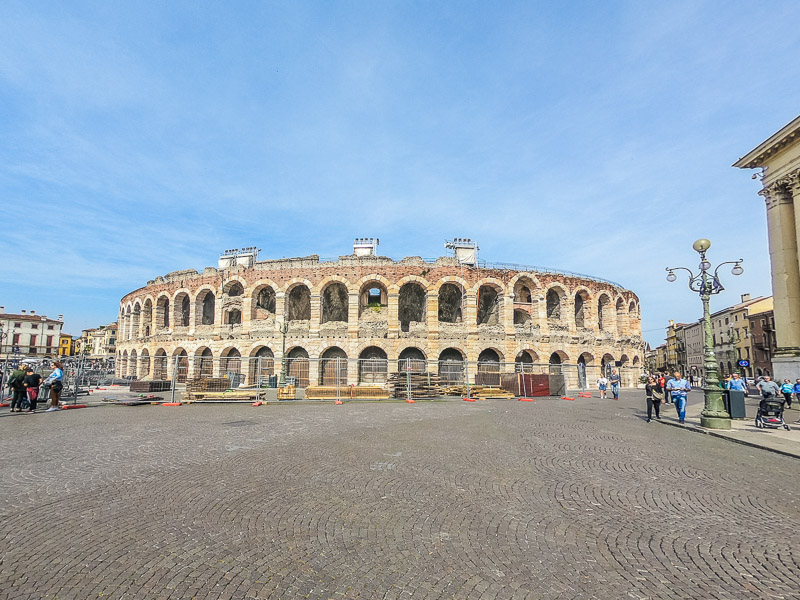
[{"x": 770, "y": 414}]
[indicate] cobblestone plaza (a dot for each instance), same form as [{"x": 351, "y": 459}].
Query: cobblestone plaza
[{"x": 492, "y": 499}]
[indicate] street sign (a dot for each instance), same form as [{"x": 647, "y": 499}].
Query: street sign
[{"x": 744, "y": 363}]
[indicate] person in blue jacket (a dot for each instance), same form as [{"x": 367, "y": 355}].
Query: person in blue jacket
[{"x": 679, "y": 391}]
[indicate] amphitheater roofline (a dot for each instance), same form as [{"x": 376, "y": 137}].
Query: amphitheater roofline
[{"x": 315, "y": 261}]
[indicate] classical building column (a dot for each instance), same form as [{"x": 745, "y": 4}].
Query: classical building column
[{"x": 783, "y": 219}]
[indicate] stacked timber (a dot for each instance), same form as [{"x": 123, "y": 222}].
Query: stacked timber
[
  {"x": 150, "y": 386},
  {"x": 422, "y": 385},
  {"x": 481, "y": 392},
  {"x": 216, "y": 389},
  {"x": 355, "y": 392},
  {"x": 286, "y": 392}
]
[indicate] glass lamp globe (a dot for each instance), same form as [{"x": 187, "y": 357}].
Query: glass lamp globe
[
  {"x": 737, "y": 269},
  {"x": 701, "y": 245},
  {"x": 671, "y": 277}
]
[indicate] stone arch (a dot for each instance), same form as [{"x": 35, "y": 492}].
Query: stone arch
[
  {"x": 620, "y": 314},
  {"x": 181, "y": 308},
  {"x": 412, "y": 305},
  {"x": 335, "y": 302},
  {"x": 582, "y": 301},
  {"x": 333, "y": 367},
  {"x": 524, "y": 280},
  {"x": 230, "y": 365},
  {"x": 556, "y": 301},
  {"x": 204, "y": 362},
  {"x": 123, "y": 366},
  {"x": 136, "y": 321},
  {"x": 162, "y": 311},
  {"x": 412, "y": 359},
  {"x": 490, "y": 303},
  {"x": 451, "y": 298},
  {"x": 624, "y": 360},
  {"x": 607, "y": 362},
  {"x": 233, "y": 288},
  {"x": 232, "y": 316},
  {"x": 604, "y": 319},
  {"x": 180, "y": 361},
  {"x": 160, "y": 365},
  {"x": 297, "y": 365},
  {"x": 147, "y": 318},
  {"x": 373, "y": 365},
  {"x": 636, "y": 361},
  {"x": 451, "y": 366},
  {"x": 525, "y": 360},
  {"x": 556, "y": 360},
  {"x": 298, "y": 302},
  {"x": 133, "y": 365},
  {"x": 586, "y": 358},
  {"x": 372, "y": 294},
  {"x": 263, "y": 301},
  {"x": 488, "y": 368},
  {"x": 262, "y": 365},
  {"x": 205, "y": 306},
  {"x": 521, "y": 316},
  {"x": 144, "y": 364}
]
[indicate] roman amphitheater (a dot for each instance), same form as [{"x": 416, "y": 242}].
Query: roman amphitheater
[{"x": 370, "y": 312}]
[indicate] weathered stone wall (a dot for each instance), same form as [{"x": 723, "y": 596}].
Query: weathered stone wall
[{"x": 485, "y": 319}]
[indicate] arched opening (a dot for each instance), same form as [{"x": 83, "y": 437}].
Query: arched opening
[
  {"x": 581, "y": 308},
  {"x": 298, "y": 304},
  {"x": 205, "y": 308},
  {"x": 522, "y": 291},
  {"x": 297, "y": 366},
  {"x": 162, "y": 312},
  {"x": 521, "y": 317},
  {"x": 490, "y": 305},
  {"x": 204, "y": 363},
  {"x": 147, "y": 318},
  {"x": 620, "y": 316},
  {"x": 488, "y": 372},
  {"x": 603, "y": 312},
  {"x": 137, "y": 310},
  {"x": 233, "y": 289},
  {"x": 181, "y": 361},
  {"x": 372, "y": 297},
  {"x": 451, "y": 366},
  {"x": 606, "y": 364},
  {"x": 230, "y": 366},
  {"x": 160, "y": 362},
  {"x": 553, "y": 299},
  {"x": 144, "y": 364},
  {"x": 133, "y": 365},
  {"x": 555, "y": 361},
  {"x": 123, "y": 364},
  {"x": 127, "y": 325},
  {"x": 411, "y": 306},
  {"x": 632, "y": 312},
  {"x": 262, "y": 366},
  {"x": 583, "y": 360},
  {"x": 264, "y": 303},
  {"x": 451, "y": 298},
  {"x": 372, "y": 365},
  {"x": 412, "y": 360},
  {"x": 333, "y": 367},
  {"x": 232, "y": 316},
  {"x": 524, "y": 361},
  {"x": 182, "y": 306},
  {"x": 334, "y": 303}
]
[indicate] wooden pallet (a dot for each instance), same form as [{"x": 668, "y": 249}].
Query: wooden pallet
[
  {"x": 286, "y": 393},
  {"x": 242, "y": 395},
  {"x": 356, "y": 392}
]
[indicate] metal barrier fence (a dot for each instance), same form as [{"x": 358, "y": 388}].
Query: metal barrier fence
[{"x": 237, "y": 378}]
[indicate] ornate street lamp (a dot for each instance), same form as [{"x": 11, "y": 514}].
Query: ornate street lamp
[
  {"x": 283, "y": 324},
  {"x": 714, "y": 415}
]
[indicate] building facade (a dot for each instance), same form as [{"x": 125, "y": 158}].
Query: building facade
[
  {"x": 764, "y": 342},
  {"x": 372, "y": 307},
  {"x": 29, "y": 335},
  {"x": 779, "y": 160}
]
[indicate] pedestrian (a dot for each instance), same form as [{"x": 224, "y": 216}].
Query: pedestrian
[
  {"x": 797, "y": 390},
  {"x": 16, "y": 383},
  {"x": 679, "y": 390},
  {"x": 736, "y": 383},
  {"x": 602, "y": 385},
  {"x": 32, "y": 382},
  {"x": 787, "y": 389},
  {"x": 55, "y": 381},
  {"x": 654, "y": 398},
  {"x": 768, "y": 388},
  {"x": 614, "y": 381}
]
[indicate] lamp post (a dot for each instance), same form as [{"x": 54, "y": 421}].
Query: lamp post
[
  {"x": 714, "y": 415},
  {"x": 283, "y": 328}
]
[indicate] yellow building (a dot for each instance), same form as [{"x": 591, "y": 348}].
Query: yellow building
[
  {"x": 66, "y": 347},
  {"x": 779, "y": 160}
]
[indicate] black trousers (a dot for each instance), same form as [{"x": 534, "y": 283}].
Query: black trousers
[
  {"x": 16, "y": 398},
  {"x": 788, "y": 397},
  {"x": 651, "y": 404}
]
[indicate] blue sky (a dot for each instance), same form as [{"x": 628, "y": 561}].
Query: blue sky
[{"x": 142, "y": 138}]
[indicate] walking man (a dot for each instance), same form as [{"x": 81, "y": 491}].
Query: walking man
[
  {"x": 679, "y": 391},
  {"x": 768, "y": 388},
  {"x": 614, "y": 381}
]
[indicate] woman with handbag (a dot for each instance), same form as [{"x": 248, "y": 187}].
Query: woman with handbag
[
  {"x": 654, "y": 398},
  {"x": 55, "y": 381}
]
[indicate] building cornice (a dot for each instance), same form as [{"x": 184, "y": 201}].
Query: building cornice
[{"x": 760, "y": 155}]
